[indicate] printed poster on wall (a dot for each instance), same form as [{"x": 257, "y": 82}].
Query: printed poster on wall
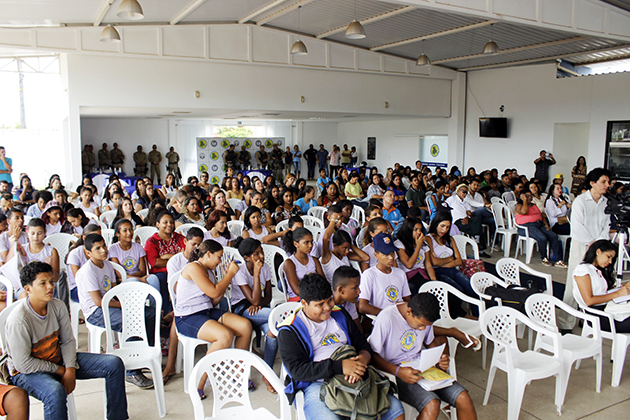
[{"x": 210, "y": 152}]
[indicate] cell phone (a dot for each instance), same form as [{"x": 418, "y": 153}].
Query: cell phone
[{"x": 547, "y": 154}]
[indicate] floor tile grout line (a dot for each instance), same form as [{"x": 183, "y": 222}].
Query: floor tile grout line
[{"x": 604, "y": 408}]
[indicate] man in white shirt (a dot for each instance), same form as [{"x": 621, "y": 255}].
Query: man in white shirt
[
  {"x": 589, "y": 223},
  {"x": 480, "y": 205},
  {"x": 464, "y": 219}
]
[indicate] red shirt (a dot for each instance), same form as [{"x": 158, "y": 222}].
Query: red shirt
[
  {"x": 533, "y": 215},
  {"x": 155, "y": 247}
]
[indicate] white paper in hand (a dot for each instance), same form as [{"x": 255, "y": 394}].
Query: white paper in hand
[{"x": 428, "y": 358}]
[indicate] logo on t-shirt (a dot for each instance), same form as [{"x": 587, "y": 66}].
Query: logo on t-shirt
[
  {"x": 445, "y": 254},
  {"x": 330, "y": 339},
  {"x": 107, "y": 283},
  {"x": 392, "y": 293},
  {"x": 408, "y": 340},
  {"x": 128, "y": 263}
]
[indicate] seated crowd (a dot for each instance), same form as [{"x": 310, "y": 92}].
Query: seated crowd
[{"x": 405, "y": 241}]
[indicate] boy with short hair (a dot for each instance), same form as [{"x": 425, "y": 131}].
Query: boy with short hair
[
  {"x": 345, "y": 286},
  {"x": 400, "y": 333},
  {"x": 310, "y": 336},
  {"x": 383, "y": 285},
  {"x": 94, "y": 279},
  {"x": 42, "y": 351},
  {"x": 323, "y": 180}
]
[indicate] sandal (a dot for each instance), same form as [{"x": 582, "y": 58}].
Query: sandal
[
  {"x": 202, "y": 394},
  {"x": 471, "y": 343},
  {"x": 167, "y": 377},
  {"x": 270, "y": 388},
  {"x": 251, "y": 385}
]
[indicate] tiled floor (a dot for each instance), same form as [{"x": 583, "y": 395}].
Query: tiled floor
[{"x": 582, "y": 402}]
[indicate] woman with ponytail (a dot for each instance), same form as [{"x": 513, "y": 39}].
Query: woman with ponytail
[
  {"x": 299, "y": 243},
  {"x": 197, "y": 296}
]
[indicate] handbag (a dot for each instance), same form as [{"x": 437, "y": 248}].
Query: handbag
[
  {"x": 513, "y": 296},
  {"x": 5, "y": 376},
  {"x": 563, "y": 220},
  {"x": 470, "y": 267}
]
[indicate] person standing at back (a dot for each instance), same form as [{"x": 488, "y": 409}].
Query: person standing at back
[
  {"x": 311, "y": 159},
  {"x": 104, "y": 158},
  {"x": 322, "y": 158},
  {"x": 544, "y": 161},
  {"x": 589, "y": 223},
  {"x": 140, "y": 159},
  {"x": 118, "y": 158},
  {"x": 155, "y": 158},
  {"x": 5, "y": 168}
]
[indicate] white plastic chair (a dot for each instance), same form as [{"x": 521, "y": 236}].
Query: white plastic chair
[
  {"x": 92, "y": 216},
  {"x": 503, "y": 222},
  {"x": 234, "y": 202},
  {"x": 170, "y": 195},
  {"x": 499, "y": 325},
  {"x": 107, "y": 216},
  {"x": 507, "y": 195},
  {"x": 509, "y": 270},
  {"x": 316, "y": 231},
  {"x": 283, "y": 225},
  {"x": 9, "y": 288},
  {"x": 542, "y": 309},
  {"x": 317, "y": 212},
  {"x": 282, "y": 279},
  {"x": 108, "y": 235},
  {"x": 137, "y": 354},
  {"x": 525, "y": 242},
  {"x": 496, "y": 200},
  {"x": 187, "y": 345},
  {"x": 280, "y": 313},
  {"x": 61, "y": 242},
  {"x": 143, "y": 233},
  {"x": 75, "y": 308},
  {"x": 236, "y": 227},
  {"x": 183, "y": 229},
  {"x": 228, "y": 371},
  {"x": 312, "y": 221},
  {"x": 359, "y": 214},
  {"x": 461, "y": 241},
  {"x": 270, "y": 252},
  {"x": 4, "y": 315},
  {"x": 620, "y": 341},
  {"x": 143, "y": 213},
  {"x": 121, "y": 272}
]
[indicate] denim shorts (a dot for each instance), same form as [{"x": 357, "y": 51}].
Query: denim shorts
[
  {"x": 418, "y": 397},
  {"x": 190, "y": 325}
]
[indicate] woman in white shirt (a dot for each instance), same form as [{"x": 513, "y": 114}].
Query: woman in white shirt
[
  {"x": 595, "y": 281},
  {"x": 556, "y": 208}
]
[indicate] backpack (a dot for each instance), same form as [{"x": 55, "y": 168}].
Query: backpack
[
  {"x": 513, "y": 296},
  {"x": 363, "y": 400}
]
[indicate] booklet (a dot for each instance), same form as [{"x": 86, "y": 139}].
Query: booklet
[{"x": 432, "y": 377}]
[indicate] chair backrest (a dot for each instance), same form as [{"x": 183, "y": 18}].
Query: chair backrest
[
  {"x": 61, "y": 242},
  {"x": 270, "y": 252},
  {"x": 280, "y": 313},
  {"x": 509, "y": 270},
  {"x": 108, "y": 235},
  {"x": 108, "y": 216},
  {"x": 4, "y": 315},
  {"x": 228, "y": 371},
  {"x": 499, "y": 217},
  {"x": 481, "y": 281},
  {"x": 172, "y": 281},
  {"x": 282, "y": 278},
  {"x": 170, "y": 194},
  {"x": 99, "y": 182},
  {"x": 143, "y": 213},
  {"x": 236, "y": 227},
  {"x": 316, "y": 231},
  {"x": 440, "y": 290},
  {"x": 229, "y": 254},
  {"x": 143, "y": 233},
  {"x": 283, "y": 225},
  {"x": 496, "y": 199},
  {"x": 91, "y": 215},
  {"x": 512, "y": 205},
  {"x": 121, "y": 272},
  {"x": 427, "y": 201},
  {"x": 9, "y": 288},
  {"x": 234, "y": 203},
  {"x": 312, "y": 221},
  {"x": 461, "y": 241},
  {"x": 132, "y": 297},
  {"x": 183, "y": 229},
  {"x": 507, "y": 195},
  {"x": 359, "y": 240},
  {"x": 317, "y": 212},
  {"x": 359, "y": 214}
]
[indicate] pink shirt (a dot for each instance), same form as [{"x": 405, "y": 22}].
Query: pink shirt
[{"x": 533, "y": 215}]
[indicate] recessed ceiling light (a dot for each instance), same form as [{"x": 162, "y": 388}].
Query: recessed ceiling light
[{"x": 182, "y": 112}]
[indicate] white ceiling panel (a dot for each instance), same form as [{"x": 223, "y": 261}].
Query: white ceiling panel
[
  {"x": 47, "y": 12},
  {"x": 224, "y": 10}
]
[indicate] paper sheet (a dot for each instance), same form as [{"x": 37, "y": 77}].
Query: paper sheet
[{"x": 428, "y": 358}]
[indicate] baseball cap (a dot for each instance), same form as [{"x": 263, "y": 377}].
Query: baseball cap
[
  {"x": 384, "y": 244},
  {"x": 559, "y": 176}
]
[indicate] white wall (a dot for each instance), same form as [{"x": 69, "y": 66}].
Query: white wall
[
  {"x": 535, "y": 101},
  {"x": 573, "y": 137}
]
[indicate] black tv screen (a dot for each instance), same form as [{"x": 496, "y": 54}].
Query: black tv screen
[{"x": 493, "y": 127}]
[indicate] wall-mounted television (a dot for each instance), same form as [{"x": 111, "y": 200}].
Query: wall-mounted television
[{"x": 493, "y": 127}]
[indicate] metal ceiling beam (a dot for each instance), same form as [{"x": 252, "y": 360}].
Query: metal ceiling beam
[
  {"x": 103, "y": 11},
  {"x": 283, "y": 11},
  {"x": 263, "y": 9},
  {"x": 516, "y": 49},
  {"x": 603, "y": 60},
  {"x": 434, "y": 35},
  {"x": 186, "y": 11},
  {"x": 372, "y": 19},
  {"x": 539, "y": 59}
]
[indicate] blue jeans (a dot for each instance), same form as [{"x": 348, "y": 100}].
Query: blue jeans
[
  {"x": 152, "y": 280},
  {"x": 316, "y": 409},
  {"x": 47, "y": 388},
  {"x": 542, "y": 236},
  {"x": 486, "y": 219},
  {"x": 166, "y": 298},
  {"x": 311, "y": 169},
  {"x": 297, "y": 167},
  {"x": 115, "y": 317},
  {"x": 260, "y": 321}
]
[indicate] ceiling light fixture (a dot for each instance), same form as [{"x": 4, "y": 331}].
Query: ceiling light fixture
[
  {"x": 355, "y": 30},
  {"x": 130, "y": 10},
  {"x": 423, "y": 60},
  {"x": 110, "y": 34},
  {"x": 491, "y": 47},
  {"x": 298, "y": 47}
]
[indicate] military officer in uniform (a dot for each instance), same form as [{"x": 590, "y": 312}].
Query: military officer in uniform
[
  {"x": 262, "y": 157},
  {"x": 155, "y": 158},
  {"x": 118, "y": 158},
  {"x": 244, "y": 157},
  {"x": 229, "y": 157},
  {"x": 140, "y": 158},
  {"x": 104, "y": 158},
  {"x": 173, "y": 159},
  {"x": 88, "y": 160}
]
